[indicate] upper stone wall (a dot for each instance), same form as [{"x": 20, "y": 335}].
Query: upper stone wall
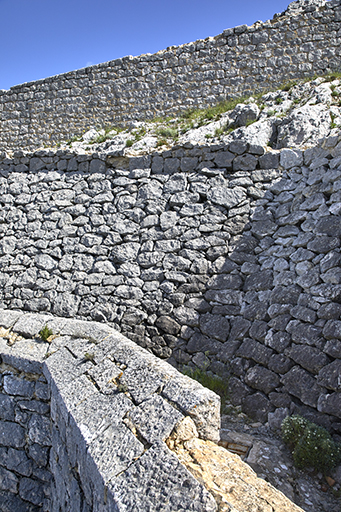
[{"x": 302, "y": 41}]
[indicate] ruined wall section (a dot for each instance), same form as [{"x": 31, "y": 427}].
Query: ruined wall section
[
  {"x": 102, "y": 446},
  {"x": 303, "y": 41}
]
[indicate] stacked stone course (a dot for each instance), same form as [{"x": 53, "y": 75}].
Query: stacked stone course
[{"x": 302, "y": 41}]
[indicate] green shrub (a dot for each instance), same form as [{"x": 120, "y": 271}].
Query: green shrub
[
  {"x": 45, "y": 333},
  {"x": 312, "y": 445},
  {"x": 129, "y": 143}
]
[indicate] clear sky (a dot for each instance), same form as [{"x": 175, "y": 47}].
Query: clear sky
[{"x": 41, "y": 38}]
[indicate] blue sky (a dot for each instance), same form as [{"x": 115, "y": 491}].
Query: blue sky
[{"x": 41, "y": 38}]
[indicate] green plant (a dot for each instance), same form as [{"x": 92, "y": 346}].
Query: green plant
[
  {"x": 169, "y": 133},
  {"x": 129, "y": 143},
  {"x": 279, "y": 100},
  {"x": 89, "y": 356},
  {"x": 270, "y": 113},
  {"x": 288, "y": 85},
  {"x": 209, "y": 380},
  {"x": 332, "y": 117},
  {"x": 122, "y": 388},
  {"x": 219, "y": 132},
  {"x": 45, "y": 333},
  {"x": 75, "y": 138},
  {"x": 250, "y": 121},
  {"x": 312, "y": 445},
  {"x": 335, "y": 94},
  {"x": 161, "y": 142}
]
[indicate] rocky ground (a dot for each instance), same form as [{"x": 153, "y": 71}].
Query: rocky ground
[
  {"x": 298, "y": 115},
  {"x": 262, "y": 448}
]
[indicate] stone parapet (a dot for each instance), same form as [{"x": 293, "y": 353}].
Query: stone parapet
[{"x": 113, "y": 405}]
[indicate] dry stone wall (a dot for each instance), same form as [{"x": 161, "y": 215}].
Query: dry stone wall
[
  {"x": 304, "y": 40},
  {"x": 101, "y": 446},
  {"x": 25, "y": 438},
  {"x": 221, "y": 257}
]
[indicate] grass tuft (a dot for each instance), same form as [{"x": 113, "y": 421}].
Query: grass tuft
[
  {"x": 210, "y": 381},
  {"x": 45, "y": 333}
]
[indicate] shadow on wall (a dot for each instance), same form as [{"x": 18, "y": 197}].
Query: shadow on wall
[{"x": 218, "y": 257}]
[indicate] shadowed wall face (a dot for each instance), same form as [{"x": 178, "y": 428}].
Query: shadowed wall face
[{"x": 303, "y": 41}]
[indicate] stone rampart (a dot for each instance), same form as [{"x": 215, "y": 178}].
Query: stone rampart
[
  {"x": 113, "y": 404},
  {"x": 221, "y": 257},
  {"x": 302, "y": 41}
]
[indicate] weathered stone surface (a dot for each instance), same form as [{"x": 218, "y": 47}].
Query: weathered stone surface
[
  {"x": 245, "y": 163},
  {"x": 330, "y": 404},
  {"x": 330, "y": 226},
  {"x": 284, "y": 295},
  {"x": 262, "y": 379},
  {"x": 251, "y": 349},
  {"x": 8, "y": 481},
  {"x": 301, "y": 384},
  {"x": 224, "y": 281},
  {"x": 304, "y": 333},
  {"x": 258, "y": 281},
  {"x": 39, "y": 430},
  {"x": 7, "y": 405},
  {"x": 332, "y": 329},
  {"x": 333, "y": 348},
  {"x": 291, "y": 158},
  {"x": 214, "y": 325},
  {"x": 114, "y": 450},
  {"x": 11, "y": 434},
  {"x": 330, "y": 375},
  {"x": 257, "y": 406},
  {"x": 259, "y": 330},
  {"x": 278, "y": 340},
  {"x": 16, "y": 386},
  {"x": 154, "y": 419},
  {"x": 309, "y": 358},
  {"x": 66, "y": 305},
  {"x": 134, "y": 491},
  {"x": 226, "y": 197},
  {"x": 228, "y": 478},
  {"x": 10, "y": 502},
  {"x": 224, "y": 159},
  {"x": 168, "y": 325},
  {"x": 31, "y": 491}
]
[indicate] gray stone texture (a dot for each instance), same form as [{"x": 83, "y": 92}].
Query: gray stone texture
[{"x": 226, "y": 256}]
